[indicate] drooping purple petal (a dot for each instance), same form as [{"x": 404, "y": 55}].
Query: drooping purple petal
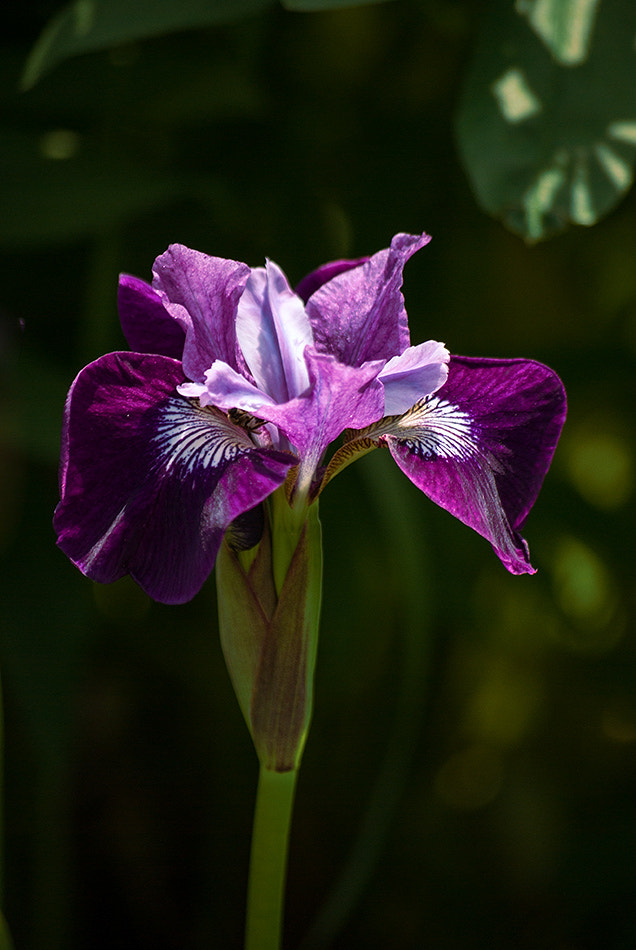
[
  {"x": 273, "y": 330},
  {"x": 202, "y": 294},
  {"x": 340, "y": 397},
  {"x": 147, "y": 325},
  {"x": 481, "y": 446},
  {"x": 312, "y": 281},
  {"x": 359, "y": 315},
  {"x": 417, "y": 372},
  {"x": 150, "y": 482}
]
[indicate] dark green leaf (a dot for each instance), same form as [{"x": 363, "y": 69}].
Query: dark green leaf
[
  {"x": 547, "y": 121},
  {"x": 88, "y": 25}
]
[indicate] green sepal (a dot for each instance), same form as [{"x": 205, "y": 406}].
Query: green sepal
[{"x": 243, "y": 616}]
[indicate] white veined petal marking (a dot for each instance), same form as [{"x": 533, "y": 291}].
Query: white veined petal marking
[
  {"x": 194, "y": 439},
  {"x": 433, "y": 428}
]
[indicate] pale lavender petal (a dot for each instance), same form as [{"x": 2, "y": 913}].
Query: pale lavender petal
[
  {"x": 481, "y": 446},
  {"x": 312, "y": 281},
  {"x": 226, "y": 389},
  {"x": 202, "y": 293},
  {"x": 340, "y": 397},
  {"x": 359, "y": 315},
  {"x": 273, "y": 330},
  {"x": 147, "y": 325},
  {"x": 150, "y": 482},
  {"x": 417, "y": 372}
]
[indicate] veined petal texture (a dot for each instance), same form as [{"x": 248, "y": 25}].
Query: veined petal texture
[
  {"x": 480, "y": 447},
  {"x": 202, "y": 294},
  {"x": 313, "y": 281},
  {"x": 359, "y": 314},
  {"x": 150, "y": 482}
]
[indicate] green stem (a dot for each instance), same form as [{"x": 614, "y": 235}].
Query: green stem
[{"x": 268, "y": 861}]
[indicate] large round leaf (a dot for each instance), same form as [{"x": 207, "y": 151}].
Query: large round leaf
[{"x": 547, "y": 120}]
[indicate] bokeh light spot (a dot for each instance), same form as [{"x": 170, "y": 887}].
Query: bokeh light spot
[
  {"x": 60, "y": 144},
  {"x": 586, "y": 594},
  {"x": 601, "y": 468},
  {"x": 618, "y": 723},
  {"x": 505, "y": 704},
  {"x": 470, "y": 779}
]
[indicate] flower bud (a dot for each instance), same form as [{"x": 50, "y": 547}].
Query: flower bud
[{"x": 269, "y": 613}]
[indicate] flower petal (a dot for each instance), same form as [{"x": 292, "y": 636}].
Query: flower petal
[
  {"x": 147, "y": 325},
  {"x": 202, "y": 294},
  {"x": 312, "y": 281},
  {"x": 417, "y": 372},
  {"x": 273, "y": 330},
  {"x": 340, "y": 397},
  {"x": 226, "y": 389},
  {"x": 359, "y": 315},
  {"x": 481, "y": 446},
  {"x": 149, "y": 481}
]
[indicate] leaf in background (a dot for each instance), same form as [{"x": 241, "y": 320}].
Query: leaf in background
[
  {"x": 547, "y": 120},
  {"x": 88, "y": 25}
]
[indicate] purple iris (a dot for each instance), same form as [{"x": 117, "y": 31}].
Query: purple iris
[{"x": 237, "y": 385}]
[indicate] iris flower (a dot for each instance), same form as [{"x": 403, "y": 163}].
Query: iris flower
[{"x": 236, "y": 385}]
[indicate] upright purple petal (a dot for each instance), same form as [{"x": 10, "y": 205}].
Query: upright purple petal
[
  {"x": 149, "y": 481},
  {"x": 202, "y": 294},
  {"x": 273, "y": 330},
  {"x": 314, "y": 280},
  {"x": 359, "y": 315},
  {"x": 481, "y": 446},
  {"x": 147, "y": 325}
]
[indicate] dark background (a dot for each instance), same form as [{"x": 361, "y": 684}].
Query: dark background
[{"x": 470, "y": 776}]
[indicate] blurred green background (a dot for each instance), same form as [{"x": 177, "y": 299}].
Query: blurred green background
[{"x": 470, "y": 777}]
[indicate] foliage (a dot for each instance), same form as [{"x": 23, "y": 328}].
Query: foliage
[{"x": 547, "y": 122}]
